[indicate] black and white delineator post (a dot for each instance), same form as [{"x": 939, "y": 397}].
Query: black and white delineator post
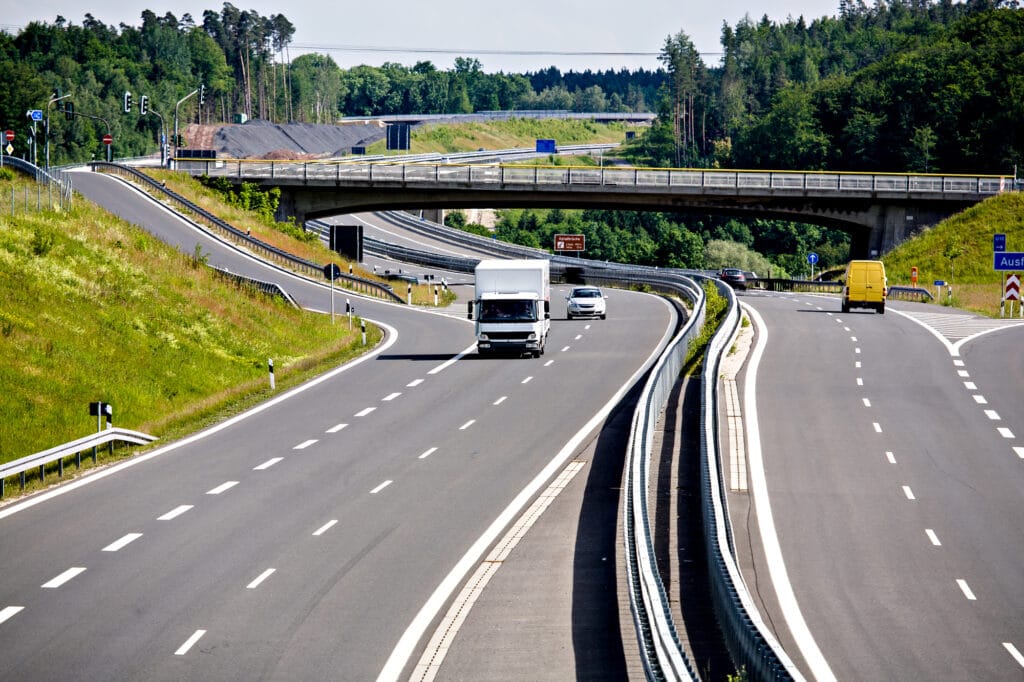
[
  {"x": 362, "y": 324},
  {"x": 270, "y": 365},
  {"x": 435, "y": 295},
  {"x": 410, "y": 294},
  {"x": 348, "y": 311},
  {"x": 100, "y": 409}
]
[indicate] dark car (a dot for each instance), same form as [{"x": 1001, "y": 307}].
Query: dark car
[{"x": 734, "y": 277}]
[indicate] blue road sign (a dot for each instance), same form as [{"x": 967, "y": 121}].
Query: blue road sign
[
  {"x": 999, "y": 242},
  {"x": 812, "y": 258},
  {"x": 1008, "y": 260},
  {"x": 36, "y": 114},
  {"x": 940, "y": 282}
]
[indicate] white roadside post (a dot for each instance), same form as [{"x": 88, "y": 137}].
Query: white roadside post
[
  {"x": 270, "y": 365},
  {"x": 348, "y": 311},
  {"x": 362, "y": 324}
]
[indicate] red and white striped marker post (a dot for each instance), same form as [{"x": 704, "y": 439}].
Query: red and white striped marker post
[{"x": 1011, "y": 293}]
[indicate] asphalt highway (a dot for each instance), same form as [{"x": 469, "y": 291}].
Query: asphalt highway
[{"x": 301, "y": 539}]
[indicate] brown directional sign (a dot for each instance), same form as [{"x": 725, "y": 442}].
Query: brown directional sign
[{"x": 570, "y": 242}]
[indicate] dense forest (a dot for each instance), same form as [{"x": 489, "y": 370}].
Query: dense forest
[{"x": 902, "y": 85}]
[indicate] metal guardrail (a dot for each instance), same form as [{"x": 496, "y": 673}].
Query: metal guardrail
[
  {"x": 264, "y": 250},
  {"x": 269, "y": 288},
  {"x": 712, "y": 181},
  {"x": 75, "y": 447},
  {"x": 52, "y": 178}
]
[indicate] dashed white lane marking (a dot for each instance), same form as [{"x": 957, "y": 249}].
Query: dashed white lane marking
[
  {"x": 1015, "y": 653},
  {"x": 227, "y": 485},
  {"x": 467, "y": 425},
  {"x": 122, "y": 543},
  {"x": 383, "y": 485},
  {"x": 970, "y": 386},
  {"x": 1005, "y": 432},
  {"x": 500, "y": 400},
  {"x": 993, "y": 415},
  {"x": 860, "y": 382},
  {"x": 578, "y": 337},
  {"x": 565, "y": 348},
  {"x": 67, "y": 575},
  {"x": 933, "y": 537},
  {"x": 428, "y": 453},
  {"x": 9, "y": 612},
  {"x": 304, "y": 444},
  {"x": 190, "y": 642},
  {"x": 175, "y": 513},
  {"x": 586, "y": 327},
  {"x": 857, "y": 351},
  {"x": 1019, "y": 450},
  {"x": 966, "y": 589},
  {"x": 980, "y": 399},
  {"x": 891, "y": 457},
  {"x": 857, "y": 364},
  {"x": 414, "y": 383},
  {"x": 958, "y": 363},
  {"x": 326, "y": 527},
  {"x": 853, "y": 338},
  {"x": 867, "y": 403},
  {"x": 847, "y": 329},
  {"x": 549, "y": 363},
  {"x": 908, "y": 492},
  {"x": 336, "y": 428},
  {"x": 388, "y": 398},
  {"x": 527, "y": 380},
  {"x": 877, "y": 427},
  {"x": 260, "y": 578},
  {"x": 963, "y": 373},
  {"x": 269, "y": 463},
  {"x": 365, "y": 411}
]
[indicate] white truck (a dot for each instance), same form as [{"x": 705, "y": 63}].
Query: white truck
[{"x": 512, "y": 306}]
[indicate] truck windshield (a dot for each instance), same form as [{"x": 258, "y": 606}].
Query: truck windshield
[{"x": 507, "y": 311}]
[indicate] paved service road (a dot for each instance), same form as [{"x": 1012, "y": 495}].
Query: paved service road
[
  {"x": 300, "y": 541},
  {"x": 895, "y": 476}
]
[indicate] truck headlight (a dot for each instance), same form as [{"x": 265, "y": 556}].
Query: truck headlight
[
  {"x": 531, "y": 337},
  {"x": 483, "y": 337}
]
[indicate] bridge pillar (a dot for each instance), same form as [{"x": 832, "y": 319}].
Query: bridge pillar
[{"x": 434, "y": 215}]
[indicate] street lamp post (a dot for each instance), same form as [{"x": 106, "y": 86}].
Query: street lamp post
[
  {"x": 163, "y": 136},
  {"x": 176, "y": 121},
  {"x": 47, "y": 126}
]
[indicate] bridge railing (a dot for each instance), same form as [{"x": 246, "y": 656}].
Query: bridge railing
[{"x": 705, "y": 180}]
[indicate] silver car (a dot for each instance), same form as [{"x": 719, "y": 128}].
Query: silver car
[{"x": 585, "y": 302}]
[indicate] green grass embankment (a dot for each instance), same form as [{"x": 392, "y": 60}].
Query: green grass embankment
[{"x": 96, "y": 309}]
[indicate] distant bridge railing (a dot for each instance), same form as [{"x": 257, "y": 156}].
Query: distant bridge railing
[{"x": 704, "y": 180}]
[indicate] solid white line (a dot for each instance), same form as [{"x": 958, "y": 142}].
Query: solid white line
[
  {"x": 993, "y": 415},
  {"x": 769, "y": 537},
  {"x": 227, "y": 485},
  {"x": 1005, "y": 432},
  {"x": 414, "y": 383},
  {"x": 304, "y": 444},
  {"x": 269, "y": 463},
  {"x": 980, "y": 399},
  {"x": 439, "y": 597},
  {"x": 9, "y": 611},
  {"x": 326, "y": 527},
  {"x": 527, "y": 380},
  {"x": 1014, "y": 652},
  {"x": 565, "y": 349},
  {"x": 383, "y": 485},
  {"x": 933, "y": 537},
  {"x": 391, "y": 338},
  {"x": 390, "y": 397},
  {"x": 908, "y": 492},
  {"x": 500, "y": 400},
  {"x": 63, "y": 577},
  {"x": 965, "y": 588},
  {"x": 970, "y": 386},
  {"x": 260, "y": 578},
  {"x": 867, "y": 403},
  {"x": 123, "y": 542},
  {"x": 467, "y": 425},
  {"x": 428, "y": 453},
  {"x": 1019, "y": 450},
  {"x": 336, "y": 428},
  {"x": 448, "y": 363},
  {"x": 891, "y": 457},
  {"x": 365, "y": 411},
  {"x": 549, "y": 363},
  {"x": 190, "y": 642},
  {"x": 877, "y": 427},
  {"x": 174, "y": 513}
]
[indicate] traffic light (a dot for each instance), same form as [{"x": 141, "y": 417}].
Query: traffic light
[
  {"x": 127, "y": 102},
  {"x": 69, "y": 111},
  {"x": 144, "y": 105},
  {"x": 202, "y": 94}
]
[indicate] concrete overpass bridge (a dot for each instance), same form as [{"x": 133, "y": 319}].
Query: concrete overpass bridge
[{"x": 878, "y": 210}]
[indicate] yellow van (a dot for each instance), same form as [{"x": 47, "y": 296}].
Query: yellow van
[{"x": 866, "y": 286}]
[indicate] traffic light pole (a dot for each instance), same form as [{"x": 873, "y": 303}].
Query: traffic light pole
[
  {"x": 191, "y": 94},
  {"x": 101, "y": 120}
]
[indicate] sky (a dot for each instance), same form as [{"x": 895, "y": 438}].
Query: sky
[{"x": 514, "y": 37}]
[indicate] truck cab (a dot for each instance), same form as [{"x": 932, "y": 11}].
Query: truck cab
[{"x": 512, "y": 307}]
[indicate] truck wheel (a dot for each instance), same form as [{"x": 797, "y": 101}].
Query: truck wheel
[
  {"x": 881, "y": 309},
  {"x": 846, "y": 307}
]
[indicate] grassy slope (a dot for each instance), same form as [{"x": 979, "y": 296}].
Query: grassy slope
[
  {"x": 976, "y": 286},
  {"x": 96, "y": 309}
]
